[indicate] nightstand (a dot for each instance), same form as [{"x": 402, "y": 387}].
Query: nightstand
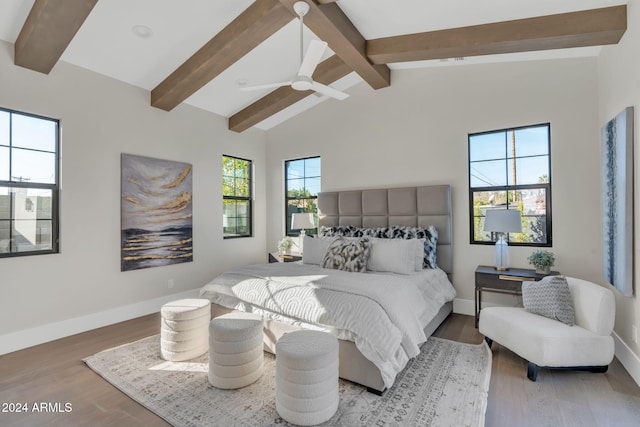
[
  {"x": 278, "y": 257},
  {"x": 509, "y": 282}
]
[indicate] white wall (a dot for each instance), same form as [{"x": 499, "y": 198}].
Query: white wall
[
  {"x": 415, "y": 132},
  {"x": 100, "y": 119},
  {"x": 619, "y": 87}
]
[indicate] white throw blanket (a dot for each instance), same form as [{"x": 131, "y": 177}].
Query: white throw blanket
[{"x": 384, "y": 314}]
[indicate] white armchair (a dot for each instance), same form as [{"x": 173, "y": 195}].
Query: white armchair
[{"x": 545, "y": 342}]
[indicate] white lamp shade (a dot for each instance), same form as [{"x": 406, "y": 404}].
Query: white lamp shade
[
  {"x": 503, "y": 221},
  {"x": 300, "y": 221}
]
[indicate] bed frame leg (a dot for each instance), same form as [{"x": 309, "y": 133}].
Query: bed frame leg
[{"x": 376, "y": 392}]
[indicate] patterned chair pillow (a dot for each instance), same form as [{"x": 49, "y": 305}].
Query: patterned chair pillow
[
  {"x": 549, "y": 297},
  {"x": 348, "y": 255}
]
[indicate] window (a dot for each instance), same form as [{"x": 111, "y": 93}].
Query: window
[
  {"x": 511, "y": 169},
  {"x": 301, "y": 188},
  {"x": 236, "y": 197},
  {"x": 29, "y": 157}
]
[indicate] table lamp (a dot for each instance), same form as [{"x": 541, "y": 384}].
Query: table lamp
[
  {"x": 503, "y": 221},
  {"x": 300, "y": 221}
]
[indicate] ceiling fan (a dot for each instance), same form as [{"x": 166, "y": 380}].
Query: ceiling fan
[{"x": 308, "y": 63}]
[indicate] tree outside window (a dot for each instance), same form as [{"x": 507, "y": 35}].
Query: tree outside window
[
  {"x": 302, "y": 185},
  {"x": 236, "y": 197},
  {"x": 511, "y": 169}
]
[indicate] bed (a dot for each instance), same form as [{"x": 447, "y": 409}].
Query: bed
[{"x": 379, "y": 331}]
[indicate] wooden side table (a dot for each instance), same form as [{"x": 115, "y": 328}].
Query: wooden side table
[
  {"x": 509, "y": 282},
  {"x": 278, "y": 257}
]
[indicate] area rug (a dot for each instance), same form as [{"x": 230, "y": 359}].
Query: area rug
[{"x": 445, "y": 385}]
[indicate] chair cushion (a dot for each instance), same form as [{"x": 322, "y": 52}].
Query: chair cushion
[
  {"x": 544, "y": 341},
  {"x": 549, "y": 297}
]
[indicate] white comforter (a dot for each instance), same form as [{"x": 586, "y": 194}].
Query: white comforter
[{"x": 384, "y": 314}]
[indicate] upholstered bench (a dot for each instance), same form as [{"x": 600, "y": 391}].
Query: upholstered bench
[
  {"x": 236, "y": 355},
  {"x": 307, "y": 377},
  {"x": 545, "y": 342},
  {"x": 183, "y": 329}
]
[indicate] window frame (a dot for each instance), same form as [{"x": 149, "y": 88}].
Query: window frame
[
  {"x": 53, "y": 187},
  {"x": 512, "y": 188},
  {"x": 287, "y": 218},
  {"x": 248, "y": 199}
]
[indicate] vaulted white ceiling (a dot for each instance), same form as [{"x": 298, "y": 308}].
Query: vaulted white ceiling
[{"x": 107, "y": 44}]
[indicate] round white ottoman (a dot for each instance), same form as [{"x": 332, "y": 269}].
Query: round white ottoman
[
  {"x": 307, "y": 377},
  {"x": 236, "y": 355},
  {"x": 183, "y": 329}
]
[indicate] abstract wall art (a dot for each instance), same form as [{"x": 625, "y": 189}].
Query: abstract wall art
[
  {"x": 156, "y": 212},
  {"x": 617, "y": 202}
]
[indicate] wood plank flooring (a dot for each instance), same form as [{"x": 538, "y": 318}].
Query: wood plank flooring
[{"x": 54, "y": 374}]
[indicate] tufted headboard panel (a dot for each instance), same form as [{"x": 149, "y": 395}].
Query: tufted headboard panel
[{"x": 410, "y": 206}]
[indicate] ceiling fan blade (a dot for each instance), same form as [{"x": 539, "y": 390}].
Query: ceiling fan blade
[
  {"x": 329, "y": 91},
  {"x": 265, "y": 86},
  {"x": 312, "y": 58}
]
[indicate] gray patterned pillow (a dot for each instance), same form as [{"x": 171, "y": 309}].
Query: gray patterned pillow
[
  {"x": 549, "y": 297},
  {"x": 348, "y": 255}
]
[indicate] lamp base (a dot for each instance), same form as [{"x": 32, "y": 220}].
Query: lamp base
[
  {"x": 502, "y": 254},
  {"x": 301, "y": 241}
]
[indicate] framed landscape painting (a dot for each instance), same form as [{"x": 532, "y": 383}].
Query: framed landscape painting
[
  {"x": 617, "y": 202},
  {"x": 156, "y": 212}
]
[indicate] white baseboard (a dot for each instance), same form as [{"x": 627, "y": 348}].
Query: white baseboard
[
  {"x": 627, "y": 357},
  {"x": 29, "y": 337},
  {"x": 464, "y": 306},
  {"x": 468, "y": 307}
]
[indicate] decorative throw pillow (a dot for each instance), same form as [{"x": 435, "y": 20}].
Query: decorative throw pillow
[
  {"x": 348, "y": 255},
  {"x": 549, "y": 297},
  {"x": 340, "y": 230},
  {"x": 378, "y": 232},
  {"x": 430, "y": 247},
  {"x": 314, "y": 249},
  {"x": 405, "y": 232}
]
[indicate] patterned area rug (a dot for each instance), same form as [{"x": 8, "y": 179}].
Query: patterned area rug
[{"x": 445, "y": 385}]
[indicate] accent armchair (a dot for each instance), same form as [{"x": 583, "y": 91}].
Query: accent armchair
[{"x": 548, "y": 343}]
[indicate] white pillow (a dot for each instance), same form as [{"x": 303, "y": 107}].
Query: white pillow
[
  {"x": 394, "y": 255},
  {"x": 419, "y": 253},
  {"x": 314, "y": 249}
]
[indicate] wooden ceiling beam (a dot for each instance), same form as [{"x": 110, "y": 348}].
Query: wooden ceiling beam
[
  {"x": 328, "y": 71},
  {"x": 48, "y": 30},
  {"x": 256, "y": 24},
  {"x": 330, "y": 24},
  {"x": 575, "y": 29}
]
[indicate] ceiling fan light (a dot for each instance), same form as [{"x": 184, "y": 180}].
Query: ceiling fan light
[
  {"x": 302, "y": 83},
  {"x": 142, "y": 31}
]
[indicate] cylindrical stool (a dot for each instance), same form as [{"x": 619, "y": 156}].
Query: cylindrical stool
[
  {"x": 236, "y": 355},
  {"x": 183, "y": 330},
  {"x": 307, "y": 377}
]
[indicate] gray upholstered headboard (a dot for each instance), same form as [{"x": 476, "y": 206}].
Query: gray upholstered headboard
[{"x": 410, "y": 206}]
